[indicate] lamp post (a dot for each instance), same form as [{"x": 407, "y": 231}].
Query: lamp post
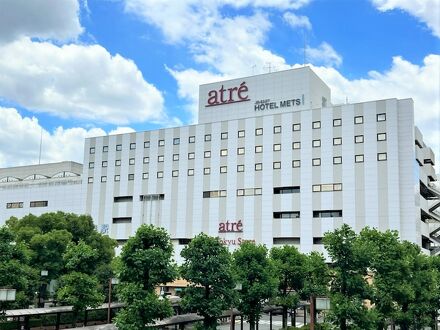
[
  {"x": 41, "y": 293},
  {"x": 109, "y": 310},
  {"x": 6, "y": 294}
]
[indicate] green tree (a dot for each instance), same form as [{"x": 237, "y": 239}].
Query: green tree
[
  {"x": 290, "y": 267},
  {"x": 258, "y": 279},
  {"x": 145, "y": 263},
  {"x": 208, "y": 269}
]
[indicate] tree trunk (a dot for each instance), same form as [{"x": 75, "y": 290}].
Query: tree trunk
[
  {"x": 251, "y": 325},
  {"x": 312, "y": 313},
  {"x": 284, "y": 317},
  {"x": 343, "y": 324}
]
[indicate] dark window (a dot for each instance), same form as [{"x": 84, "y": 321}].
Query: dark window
[
  {"x": 39, "y": 204},
  {"x": 184, "y": 241},
  {"x": 286, "y": 240},
  {"x": 286, "y": 190},
  {"x": 122, "y": 220},
  {"x": 286, "y": 215},
  {"x": 327, "y": 214},
  {"x": 152, "y": 197},
  {"x": 317, "y": 240},
  {"x": 120, "y": 199}
]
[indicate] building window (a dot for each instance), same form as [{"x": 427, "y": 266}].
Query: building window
[
  {"x": 224, "y": 135},
  {"x": 117, "y": 162},
  {"x": 207, "y": 137},
  {"x": 277, "y": 147},
  {"x": 105, "y": 149},
  {"x": 175, "y": 157},
  {"x": 132, "y": 146},
  {"x": 381, "y": 136},
  {"x": 207, "y": 171},
  {"x": 214, "y": 194},
  {"x": 14, "y": 205},
  {"x": 240, "y": 151},
  {"x": 190, "y": 172},
  {"x": 359, "y": 158},
  {"x": 258, "y": 166},
  {"x": 337, "y": 122},
  {"x": 327, "y": 214},
  {"x": 92, "y": 150},
  {"x": 146, "y": 144},
  {"x": 327, "y": 187},
  {"x": 223, "y": 169},
  {"x": 359, "y": 120},
  {"x": 249, "y": 192},
  {"x": 176, "y": 141},
  {"x": 337, "y": 141},
  {"x": 191, "y": 139},
  {"x": 296, "y": 127},
  {"x": 121, "y": 220},
  {"x": 90, "y": 179},
  {"x": 286, "y": 215},
  {"x": 337, "y": 160},
  {"x": 286, "y": 190},
  {"x": 223, "y": 152},
  {"x": 91, "y": 165},
  {"x": 382, "y": 156},
  {"x": 39, "y": 204},
  {"x": 296, "y": 163},
  {"x": 359, "y": 139},
  {"x": 276, "y": 165},
  {"x": 175, "y": 173},
  {"x": 152, "y": 197},
  {"x": 145, "y": 176},
  {"x": 161, "y": 143},
  {"x": 118, "y": 147},
  {"x": 258, "y": 131},
  {"x": 241, "y": 134},
  {"x": 131, "y": 161},
  {"x": 276, "y": 129},
  {"x": 316, "y": 143},
  {"x": 160, "y": 159},
  {"x": 207, "y": 154},
  {"x": 296, "y": 145},
  {"x": 104, "y": 163},
  {"x": 316, "y": 124},
  {"x": 258, "y": 149},
  {"x": 316, "y": 161},
  {"x": 191, "y": 155},
  {"x": 103, "y": 179},
  {"x": 159, "y": 175},
  {"x": 240, "y": 168},
  {"x": 131, "y": 177},
  {"x": 381, "y": 117},
  {"x": 117, "y": 177},
  {"x": 337, "y": 187},
  {"x": 146, "y": 160}
]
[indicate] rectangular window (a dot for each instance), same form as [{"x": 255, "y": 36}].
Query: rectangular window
[
  {"x": 277, "y": 147},
  {"x": 39, "y": 204},
  {"x": 337, "y": 141},
  {"x": 316, "y": 161},
  {"x": 117, "y": 177},
  {"x": 131, "y": 161},
  {"x": 296, "y": 163},
  {"x": 249, "y": 192},
  {"x": 104, "y": 163},
  {"x": 91, "y": 165},
  {"x": 146, "y": 160},
  {"x": 175, "y": 173},
  {"x": 214, "y": 194},
  {"x": 191, "y": 139},
  {"x": 92, "y": 150},
  {"x": 175, "y": 157},
  {"x": 160, "y": 159},
  {"x": 337, "y": 122},
  {"x": 240, "y": 151},
  {"x": 258, "y": 149},
  {"x": 381, "y": 117},
  {"x": 152, "y": 197},
  {"x": 296, "y": 145},
  {"x": 122, "y": 199},
  {"x": 14, "y": 205},
  {"x": 276, "y": 129},
  {"x": 382, "y": 156},
  {"x": 286, "y": 215},
  {"x": 130, "y": 177},
  {"x": 224, "y": 135},
  {"x": 241, "y": 134},
  {"x": 105, "y": 149},
  {"x": 122, "y": 220},
  {"x": 159, "y": 175},
  {"x": 337, "y": 160},
  {"x": 258, "y": 166},
  {"x": 118, "y": 147},
  {"x": 276, "y": 165},
  {"x": 337, "y": 187},
  {"x": 207, "y": 137},
  {"x": 176, "y": 141},
  {"x": 103, "y": 179},
  {"x": 191, "y": 155},
  {"x": 316, "y": 143},
  {"x": 145, "y": 176},
  {"x": 381, "y": 136},
  {"x": 316, "y": 124},
  {"x": 161, "y": 143},
  {"x": 117, "y": 162},
  {"x": 286, "y": 190},
  {"x": 359, "y": 139},
  {"x": 296, "y": 127},
  {"x": 207, "y": 154},
  {"x": 359, "y": 158},
  {"x": 327, "y": 214},
  {"x": 132, "y": 146},
  {"x": 223, "y": 169},
  {"x": 317, "y": 240},
  {"x": 90, "y": 179},
  {"x": 316, "y": 188},
  {"x": 258, "y": 131},
  {"x": 190, "y": 172},
  {"x": 146, "y": 144},
  {"x": 207, "y": 171},
  {"x": 358, "y": 120},
  {"x": 240, "y": 168},
  {"x": 223, "y": 152}
]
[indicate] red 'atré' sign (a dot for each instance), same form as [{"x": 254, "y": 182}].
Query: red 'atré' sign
[
  {"x": 229, "y": 95},
  {"x": 230, "y": 227}
]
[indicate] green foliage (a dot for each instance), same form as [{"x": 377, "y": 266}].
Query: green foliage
[
  {"x": 316, "y": 275},
  {"x": 258, "y": 278},
  {"x": 80, "y": 257},
  {"x": 208, "y": 269},
  {"x": 145, "y": 262}
]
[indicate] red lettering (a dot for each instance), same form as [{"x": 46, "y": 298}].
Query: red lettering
[
  {"x": 239, "y": 226},
  {"x": 224, "y": 96},
  {"x": 231, "y": 90},
  {"x": 243, "y": 89},
  {"x": 212, "y": 100}
]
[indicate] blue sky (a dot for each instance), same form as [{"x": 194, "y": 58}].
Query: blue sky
[{"x": 76, "y": 68}]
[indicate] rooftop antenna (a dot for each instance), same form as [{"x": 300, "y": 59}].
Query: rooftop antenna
[
  {"x": 269, "y": 67},
  {"x": 41, "y": 143}
]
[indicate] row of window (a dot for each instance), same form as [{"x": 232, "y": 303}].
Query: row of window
[
  {"x": 19, "y": 205},
  {"x": 294, "y": 240},
  {"x": 241, "y": 133}
]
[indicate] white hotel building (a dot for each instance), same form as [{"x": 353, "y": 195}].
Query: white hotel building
[{"x": 272, "y": 160}]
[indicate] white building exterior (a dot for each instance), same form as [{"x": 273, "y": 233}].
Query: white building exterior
[{"x": 273, "y": 161}]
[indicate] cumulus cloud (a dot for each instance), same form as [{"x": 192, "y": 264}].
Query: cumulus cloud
[
  {"x": 323, "y": 54},
  {"x": 297, "y": 21},
  {"x": 77, "y": 81},
  {"x": 427, "y": 11},
  {"x": 45, "y": 19}
]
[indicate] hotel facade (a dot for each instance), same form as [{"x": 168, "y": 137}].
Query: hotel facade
[{"x": 272, "y": 160}]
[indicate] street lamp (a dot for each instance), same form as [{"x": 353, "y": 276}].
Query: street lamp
[
  {"x": 6, "y": 294},
  {"x": 43, "y": 273},
  {"x": 112, "y": 281}
]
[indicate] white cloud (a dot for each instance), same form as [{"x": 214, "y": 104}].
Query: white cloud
[
  {"x": 296, "y": 21},
  {"x": 427, "y": 11},
  {"x": 323, "y": 54},
  {"x": 77, "y": 81},
  {"x": 45, "y": 19}
]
